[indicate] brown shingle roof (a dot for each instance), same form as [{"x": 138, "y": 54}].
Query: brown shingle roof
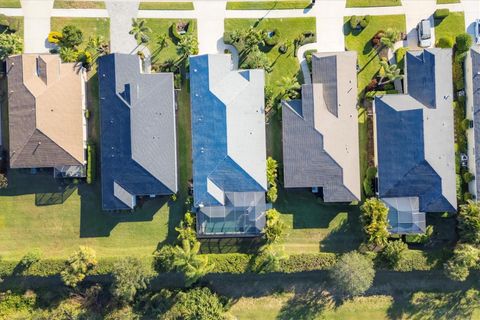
[{"x": 45, "y": 112}]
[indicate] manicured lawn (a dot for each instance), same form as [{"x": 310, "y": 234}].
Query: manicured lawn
[
  {"x": 451, "y": 26},
  {"x": 268, "y": 5},
  {"x": 10, "y": 4},
  {"x": 60, "y": 4},
  {"x": 159, "y": 27},
  {"x": 447, "y": 1},
  {"x": 368, "y": 59},
  {"x": 373, "y": 3},
  {"x": 166, "y": 6},
  {"x": 15, "y": 23},
  {"x": 89, "y": 26}
]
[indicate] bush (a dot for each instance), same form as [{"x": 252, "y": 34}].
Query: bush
[
  {"x": 374, "y": 217},
  {"x": 91, "y": 163},
  {"x": 368, "y": 187},
  {"x": 3, "y": 181},
  {"x": 400, "y": 57},
  {"x": 468, "y": 177},
  {"x": 365, "y": 21},
  {"x": 198, "y": 303},
  {"x": 465, "y": 257},
  {"x": 463, "y": 42},
  {"x": 274, "y": 226},
  {"x": 54, "y": 37},
  {"x": 467, "y": 196},
  {"x": 458, "y": 78},
  {"x": 353, "y": 273},
  {"x": 355, "y": 21},
  {"x": 272, "y": 39},
  {"x": 371, "y": 172},
  {"x": 465, "y": 124},
  {"x": 13, "y": 304},
  {"x": 10, "y": 44},
  {"x": 227, "y": 37},
  {"x": 174, "y": 30},
  {"x": 28, "y": 261},
  {"x": 78, "y": 265},
  {"x": 129, "y": 277},
  {"x": 393, "y": 252},
  {"x": 444, "y": 42},
  {"x": 308, "y": 262},
  {"x": 163, "y": 259},
  {"x": 469, "y": 222},
  {"x": 71, "y": 36},
  {"x": 441, "y": 13},
  {"x": 283, "y": 48}
]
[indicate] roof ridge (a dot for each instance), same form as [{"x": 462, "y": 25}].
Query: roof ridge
[{"x": 60, "y": 147}]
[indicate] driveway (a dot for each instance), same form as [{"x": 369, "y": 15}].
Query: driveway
[
  {"x": 36, "y": 25},
  {"x": 210, "y": 22},
  {"x": 121, "y": 14}
]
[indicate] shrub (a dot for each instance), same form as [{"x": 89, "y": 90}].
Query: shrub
[
  {"x": 353, "y": 273},
  {"x": 372, "y": 85},
  {"x": 163, "y": 259},
  {"x": 129, "y": 277},
  {"x": 441, "y": 13},
  {"x": 458, "y": 78},
  {"x": 465, "y": 124},
  {"x": 272, "y": 174},
  {"x": 272, "y": 194},
  {"x": 392, "y": 253},
  {"x": 464, "y": 258},
  {"x": 227, "y": 37},
  {"x": 91, "y": 163},
  {"x": 186, "y": 229},
  {"x": 71, "y": 36},
  {"x": 400, "y": 57},
  {"x": 468, "y": 177},
  {"x": 3, "y": 181},
  {"x": 10, "y": 44},
  {"x": 28, "y": 261},
  {"x": 367, "y": 187},
  {"x": 283, "y": 48},
  {"x": 467, "y": 196},
  {"x": 274, "y": 226},
  {"x": 85, "y": 58},
  {"x": 469, "y": 222},
  {"x": 198, "y": 303},
  {"x": 54, "y": 37},
  {"x": 308, "y": 262},
  {"x": 87, "y": 114},
  {"x": 14, "y": 305},
  {"x": 463, "y": 42},
  {"x": 272, "y": 38},
  {"x": 78, "y": 266},
  {"x": 355, "y": 21},
  {"x": 374, "y": 218},
  {"x": 444, "y": 42},
  {"x": 371, "y": 172},
  {"x": 365, "y": 21},
  {"x": 458, "y": 186}
]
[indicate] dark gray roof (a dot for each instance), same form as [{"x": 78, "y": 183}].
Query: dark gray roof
[
  {"x": 475, "y": 66},
  {"x": 138, "y": 134},
  {"x": 320, "y": 132}
]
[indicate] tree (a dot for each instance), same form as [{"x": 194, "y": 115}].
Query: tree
[
  {"x": 289, "y": 87},
  {"x": 388, "y": 72},
  {"x": 274, "y": 226},
  {"x": 129, "y": 277},
  {"x": 163, "y": 259},
  {"x": 187, "y": 46},
  {"x": 162, "y": 42},
  {"x": 469, "y": 222},
  {"x": 257, "y": 59},
  {"x": 464, "y": 258},
  {"x": 463, "y": 42},
  {"x": 393, "y": 252},
  {"x": 194, "y": 304},
  {"x": 71, "y": 36},
  {"x": 68, "y": 54},
  {"x": 10, "y": 44},
  {"x": 186, "y": 229},
  {"x": 187, "y": 261},
  {"x": 353, "y": 273},
  {"x": 374, "y": 218},
  {"x": 140, "y": 30},
  {"x": 78, "y": 265},
  {"x": 252, "y": 38},
  {"x": 97, "y": 46},
  {"x": 3, "y": 181},
  {"x": 389, "y": 38}
]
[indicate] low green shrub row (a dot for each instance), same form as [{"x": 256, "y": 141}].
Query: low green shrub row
[
  {"x": 91, "y": 163},
  {"x": 368, "y": 188},
  {"x": 458, "y": 78}
]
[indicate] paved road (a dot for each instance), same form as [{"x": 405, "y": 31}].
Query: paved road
[
  {"x": 36, "y": 25},
  {"x": 121, "y": 15}
]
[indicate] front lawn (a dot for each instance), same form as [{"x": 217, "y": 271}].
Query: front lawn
[
  {"x": 10, "y": 4},
  {"x": 268, "y": 5},
  {"x": 373, "y": 3},
  {"x": 69, "y": 4},
  {"x": 162, "y": 27},
  {"x": 89, "y": 26},
  {"x": 166, "y": 6},
  {"x": 451, "y": 26}
]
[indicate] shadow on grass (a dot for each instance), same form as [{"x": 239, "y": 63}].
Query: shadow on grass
[{"x": 306, "y": 305}]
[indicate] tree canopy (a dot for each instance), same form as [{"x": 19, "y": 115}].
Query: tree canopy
[
  {"x": 129, "y": 277},
  {"x": 10, "y": 44},
  {"x": 353, "y": 273},
  {"x": 374, "y": 218},
  {"x": 78, "y": 265},
  {"x": 71, "y": 36},
  {"x": 469, "y": 222}
]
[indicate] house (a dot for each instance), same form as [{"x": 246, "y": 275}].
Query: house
[
  {"x": 228, "y": 147},
  {"x": 138, "y": 132},
  {"x": 46, "y": 112},
  {"x": 414, "y": 143},
  {"x": 320, "y": 132},
  {"x": 472, "y": 89}
]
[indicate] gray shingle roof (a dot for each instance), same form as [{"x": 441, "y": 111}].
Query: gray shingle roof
[
  {"x": 320, "y": 132},
  {"x": 473, "y": 108}
]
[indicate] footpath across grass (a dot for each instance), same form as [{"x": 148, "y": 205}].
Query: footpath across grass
[
  {"x": 373, "y": 3},
  {"x": 166, "y": 5},
  {"x": 268, "y": 5},
  {"x": 451, "y": 26}
]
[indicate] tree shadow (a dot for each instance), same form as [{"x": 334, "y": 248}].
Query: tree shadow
[
  {"x": 306, "y": 305},
  {"x": 345, "y": 233}
]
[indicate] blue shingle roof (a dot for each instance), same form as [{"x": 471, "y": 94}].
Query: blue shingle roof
[
  {"x": 421, "y": 81},
  {"x": 117, "y": 163}
]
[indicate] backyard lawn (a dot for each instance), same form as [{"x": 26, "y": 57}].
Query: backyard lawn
[
  {"x": 166, "y": 5},
  {"x": 10, "y": 4},
  {"x": 62, "y": 4},
  {"x": 373, "y": 3},
  {"x": 159, "y": 27},
  {"x": 451, "y": 26},
  {"x": 268, "y": 5}
]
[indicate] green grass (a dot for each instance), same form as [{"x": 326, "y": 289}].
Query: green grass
[
  {"x": 71, "y": 4},
  {"x": 159, "y": 27},
  {"x": 89, "y": 26},
  {"x": 268, "y": 5},
  {"x": 451, "y": 26},
  {"x": 447, "y": 1},
  {"x": 166, "y": 6},
  {"x": 10, "y": 4},
  {"x": 373, "y": 3}
]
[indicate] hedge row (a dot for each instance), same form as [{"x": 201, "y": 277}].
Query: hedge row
[{"x": 91, "y": 163}]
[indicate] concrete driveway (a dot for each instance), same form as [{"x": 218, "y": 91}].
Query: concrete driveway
[
  {"x": 121, "y": 14},
  {"x": 37, "y": 15}
]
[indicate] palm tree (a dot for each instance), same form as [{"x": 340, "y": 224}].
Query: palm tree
[
  {"x": 252, "y": 38},
  {"x": 140, "y": 30},
  {"x": 187, "y": 46},
  {"x": 388, "y": 72},
  {"x": 187, "y": 260},
  {"x": 289, "y": 87},
  {"x": 68, "y": 54},
  {"x": 162, "y": 42},
  {"x": 389, "y": 38},
  {"x": 97, "y": 46}
]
